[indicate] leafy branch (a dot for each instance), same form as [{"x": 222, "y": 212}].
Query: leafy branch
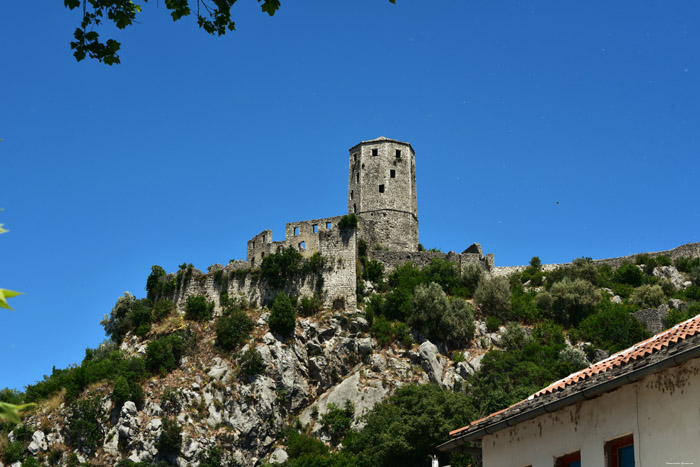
[{"x": 214, "y": 16}]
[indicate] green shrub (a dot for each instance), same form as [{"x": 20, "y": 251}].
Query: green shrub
[
  {"x": 14, "y": 452},
  {"x": 170, "y": 438},
  {"x": 140, "y": 317},
  {"x": 493, "y": 296},
  {"x": 301, "y": 446},
  {"x": 198, "y": 308},
  {"x": 308, "y": 306},
  {"x": 472, "y": 275},
  {"x": 514, "y": 337},
  {"x": 233, "y": 330},
  {"x": 282, "y": 318},
  {"x": 121, "y": 391},
  {"x": 31, "y": 462},
  {"x": 337, "y": 420},
  {"x": 348, "y": 221},
  {"x": 523, "y": 306},
  {"x": 279, "y": 267},
  {"x": 612, "y": 327},
  {"x": 252, "y": 363},
  {"x": 373, "y": 271},
  {"x": 580, "y": 268},
  {"x": 648, "y": 296},
  {"x": 447, "y": 320},
  {"x": 117, "y": 324},
  {"x": 629, "y": 274},
  {"x": 404, "y": 429},
  {"x": 677, "y": 316},
  {"x": 213, "y": 457},
  {"x": 163, "y": 355},
  {"x": 85, "y": 428},
  {"x": 162, "y": 308},
  {"x": 572, "y": 359},
  {"x": 493, "y": 323},
  {"x": 568, "y": 302},
  {"x": 154, "y": 283},
  {"x": 686, "y": 264}
]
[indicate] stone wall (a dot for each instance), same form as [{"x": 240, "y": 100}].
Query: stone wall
[
  {"x": 691, "y": 250},
  {"x": 392, "y": 230},
  {"x": 302, "y": 235},
  {"x": 335, "y": 245},
  {"x": 392, "y": 259}
]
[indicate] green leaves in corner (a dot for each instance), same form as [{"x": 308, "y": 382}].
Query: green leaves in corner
[
  {"x": 10, "y": 412},
  {"x": 4, "y": 295}
]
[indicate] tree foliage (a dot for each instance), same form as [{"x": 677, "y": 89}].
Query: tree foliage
[{"x": 283, "y": 317}]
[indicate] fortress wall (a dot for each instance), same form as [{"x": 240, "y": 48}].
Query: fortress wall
[
  {"x": 393, "y": 259},
  {"x": 335, "y": 245},
  {"x": 691, "y": 250}
]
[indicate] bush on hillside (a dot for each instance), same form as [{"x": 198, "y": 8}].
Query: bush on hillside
[
  {"x": 648, "y": 296},
  {"x": 580, "y": 268},
  {"x": 493, "y": 296},
  {"x": 198, "y": 308},
  {"x": 170, "y": 439},
  {"x": 233, "y": 330},
  {"x": 282, "y": 318},
  {"x": 612, "y": 327},
  {"x": 252, "y": 363},
  {"x": 85, "y": 427},
  {"x": 568, "y": 302},
  {"x": 163, "y": 354},
  {"x": 446, "y": 320},
  {"x": 629, "y": 274}
]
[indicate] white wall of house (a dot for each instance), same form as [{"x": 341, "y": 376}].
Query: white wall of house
[{"x": 662, "y": 411}]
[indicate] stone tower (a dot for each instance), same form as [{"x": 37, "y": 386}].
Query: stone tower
[{"x": 382, "y": 193}]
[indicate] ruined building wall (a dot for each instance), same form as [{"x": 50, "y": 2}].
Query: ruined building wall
[
  {"x": 302, "y": 235},
  {"x": 392, "y": 259},
  {"x": 382, "y": 193},
  {"x": 338, "y": 278}
]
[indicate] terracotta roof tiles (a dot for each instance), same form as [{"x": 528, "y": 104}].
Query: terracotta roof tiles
[{"x": 612, "y": 367}]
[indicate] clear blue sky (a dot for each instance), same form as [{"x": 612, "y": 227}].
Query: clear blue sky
[{"x": 559, "y": 129}]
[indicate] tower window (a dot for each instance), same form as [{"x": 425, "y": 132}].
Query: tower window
[
  {"x": 354, "y": 208},
  {"x": 381, "y": 188},
  {"x": 352, "y": 194},
  {"x": 375, "y": 152},
  {"x": 328, "y": 226},
  {"x": 398, "y": 153},
  {"x": 315, "y": 228},
  {"x": 354, "y": 156},
  {"x": 252, "y": 262},
  {"x": 262, "y": 255},
  {"x": 357, "y": 177},
  {"x": 296, "y": 231},
  {"x": 392, "y": 173}
]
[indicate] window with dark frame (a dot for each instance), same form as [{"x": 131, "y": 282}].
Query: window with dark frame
[
  {"x": 398, "y": 153},
  {"x": 381, "y": 188},
  {"x": 620, "y": 452},
  {"x": 354, "y": 208},
  {"x": 352, "y": 194},
  {"x": 355, "y": 157},
  {"x": 375, "y": 152},
  {"x": 569, "y": 460},
  {"x": 392, "y": 173},
  {"x": 357, "y": 177}
]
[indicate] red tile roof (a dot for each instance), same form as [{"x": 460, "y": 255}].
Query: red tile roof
[{"x": 639, "y": 351}]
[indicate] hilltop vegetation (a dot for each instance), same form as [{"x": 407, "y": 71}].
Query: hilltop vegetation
[{"x": 195, "y": 369}]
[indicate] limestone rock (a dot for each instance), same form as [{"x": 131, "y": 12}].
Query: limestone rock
[
  {"x": 279, "y": 456},
  {"x": 672, "y": 274},
  {"x": 429, "y": 361},
  {"x": 38, "y": 443}
]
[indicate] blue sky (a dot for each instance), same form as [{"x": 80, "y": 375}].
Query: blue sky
[{"x": 559, "y": 129}]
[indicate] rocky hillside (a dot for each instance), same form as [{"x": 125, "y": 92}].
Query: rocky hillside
[{"x": 233, "y": 386}]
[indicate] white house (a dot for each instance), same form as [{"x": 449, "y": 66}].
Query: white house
[{"x": 639, "y": 407}]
